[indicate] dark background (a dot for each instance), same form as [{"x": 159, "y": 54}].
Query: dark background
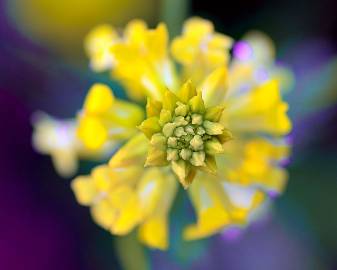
[{"x": 42, "y": 226}]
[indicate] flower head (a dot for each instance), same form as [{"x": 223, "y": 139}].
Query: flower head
[
  {"x": 217, "y": 124},
  {"x": 184, "y": 132}
]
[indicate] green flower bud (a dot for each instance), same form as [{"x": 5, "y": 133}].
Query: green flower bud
[
  {"x": 197, "y": 143},
  {"x": 198, "y": 158}
]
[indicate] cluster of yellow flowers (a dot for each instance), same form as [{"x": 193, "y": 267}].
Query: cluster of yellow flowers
[{"x": 214, "y": 121}]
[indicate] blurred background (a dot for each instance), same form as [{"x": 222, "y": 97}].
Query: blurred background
[{"x": 43, "y": 67}]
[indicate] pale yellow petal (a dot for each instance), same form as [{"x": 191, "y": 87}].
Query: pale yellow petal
[
  {"x": 211, "y": 206},
  {"x": 99, "y": 99},
  {"x": 133, "y": 152},
  {"x": 84, "y": 189}
]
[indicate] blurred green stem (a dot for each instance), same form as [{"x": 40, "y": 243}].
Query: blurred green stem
[
  {"x": 173, "y": 13},
  {"x": 131, "y": 253}
]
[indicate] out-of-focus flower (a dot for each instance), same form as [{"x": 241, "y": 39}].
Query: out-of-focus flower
[
  {"x": 126, "y": 196},
  {"x": 97, "y": 46},
  {"x": 200, "y": 49},
  {"x": 223, "y": 138},
  {"x": 254, "y": 62},
  {"x": 58, "y": 139}
]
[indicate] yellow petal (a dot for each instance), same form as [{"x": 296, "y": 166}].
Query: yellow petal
[
  {"x": 125, "y": 200},
  {"x": 158, "y": 39},
  {"x": 84, "y": 189},
  {"x": 184, "y": 172},
  {"x": 169, "y": 101},
  {"x": 197, "y": 104},
  {"x": 214, "y": 87},
  {"x": 197, "y": 27},
  {"x": 92, "y": 132},
  {"x": 154, "y": 230},
  {"x": 187, "y": 91},
  {"x": 213, "y": 147},
  {"x": 210, "y": 165},
  {"x": 125, "y": 114},
  {"x": 153, "y": 107},
  {"x": 103, "y": 213},
  {"x": 214, "y": 113},
  {"x": 165, "y": 117},
  {"x": 97, "y": 45},
  {"x": 65, "y": 161},
  {"x": 244, "y": 201},
  {"x": 210, "y": 204},
  {"x": 99, "y": 99},
  {"x": 150, "y": 189},
  {"x": 156, "y": 157},
  {"x": 225, "y": 136},
  {"x": 150, "y": 126},
  {"x": 133, "y": 152},
  {"x": 259, "y": 110}
]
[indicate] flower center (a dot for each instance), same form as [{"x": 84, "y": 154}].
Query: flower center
[{"x": 189, "y": 136}]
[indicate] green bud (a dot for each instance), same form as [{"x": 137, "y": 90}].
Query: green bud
[
  {"x": 201, "y": 131},
  {"x": 165, "y": 117},
  {"x": 196, "y": 119},
  {"x": 172, "y": 142},
  {"x": 197, "y": 143},
  {"x": 213, "y": 147},
  {"x": 181, "y": 109},
  {"x": 179, "y": 131},
  {"x": 198, "y": 158},
  {"x": 189, "y": 129},
  {"x": 185, "y": 154},
  {"x": 158, "y": 140},
  {"x": 180, "y": 121},
  {"x": 172, "y": 154},
  {"x": 213, "y": 128},
  {"x": 168, "y": 129}
]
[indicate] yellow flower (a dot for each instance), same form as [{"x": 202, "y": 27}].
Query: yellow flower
[
  {"x": 98, "y": 47},
  {"x": 200, "y": 50},
  {"x": 138, "y": 58},
  {"x": 123, "y": 197},
  {"x": 58, "y": 139},
  {"x": 220, "y": 133},
  {"x": 105, "y": 118}
]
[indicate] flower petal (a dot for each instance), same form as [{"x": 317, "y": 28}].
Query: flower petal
[
  {"x": 84, "y": 189},
  {"x": 99, "y": 99},
  {"x": 132, "y": 153},
  {"x": 150, "y": 126},
  {"x": 211, "y": 206}
]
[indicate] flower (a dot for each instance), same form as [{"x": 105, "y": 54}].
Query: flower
[
  {"x": 199, "y": 49},
  {"x": 215, "y": 126},
  {"x": 58, "y": 139},
  {"x": 122, "y": 197},
  {"x": 105, "y": 119},
  {"x": 97, "y": 46}
]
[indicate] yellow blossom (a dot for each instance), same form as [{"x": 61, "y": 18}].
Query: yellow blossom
[
  {"x": 123, "y": 198},
  {"x": 200, "y": 49},
  {"x": 105, "y": 118},
  {"x": 98, "y": 47},
  {"x": 217, "y": 126}
]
